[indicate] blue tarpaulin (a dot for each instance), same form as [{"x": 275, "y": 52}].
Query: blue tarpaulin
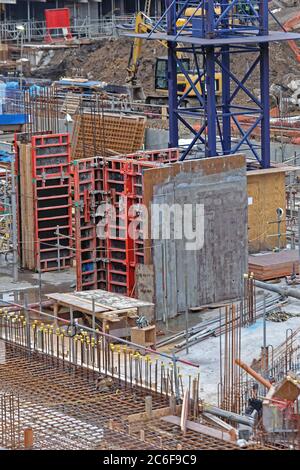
[
  {"x": 12, "y": 119},
  {"x": 5, "y": 157}
]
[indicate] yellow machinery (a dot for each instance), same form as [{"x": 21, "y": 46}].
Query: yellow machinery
[{"x": 143, "y": 24}]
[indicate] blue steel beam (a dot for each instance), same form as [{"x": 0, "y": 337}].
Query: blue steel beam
[
  {"x": 210, "y": 95},
  {"x": 216, "y": 31},
  {"x": 265, "y": 100},
  {"x": 172, "y": 77},
  {"x": 226, "y": 100}
]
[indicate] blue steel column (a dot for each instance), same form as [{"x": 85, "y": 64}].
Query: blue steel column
[
  {"x": 218, "y": 119},
  {"x": 211, "y": 110},
  {"x": 226, "y": 119},
  {"x": 264, "y": 18},
  {"x": 265, "y": 86},
  {"x": 172, "y": 76},
  {"x": 265, "y": 103},
  {"x": 226, "y": 100}
]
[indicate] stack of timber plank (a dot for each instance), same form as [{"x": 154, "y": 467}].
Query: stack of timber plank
[
  {"x": 106, "y": 134},
  {"x": 26, "y": 208},
  {"x": 274, "y": 265},
  {"x": 3, "y": 52}
]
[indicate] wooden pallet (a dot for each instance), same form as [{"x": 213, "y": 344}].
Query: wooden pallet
[
  {"x": 106, "y": 135},
  {"x": 71, "y": 103},
  {"x": 274, "y": 265}
]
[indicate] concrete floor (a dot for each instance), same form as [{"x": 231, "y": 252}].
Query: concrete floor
[
  {"x": 207, "y": 353},
  {"x": 63, "y": 281}
]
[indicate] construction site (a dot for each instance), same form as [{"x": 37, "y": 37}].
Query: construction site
[{"x": 150, "y": 225}]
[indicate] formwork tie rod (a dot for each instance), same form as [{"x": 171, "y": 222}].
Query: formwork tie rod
[{"x": 115, "y": 338}]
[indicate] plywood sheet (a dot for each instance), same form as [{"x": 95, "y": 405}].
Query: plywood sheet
[
  {"x": 26, "y": 208},
  {"x": 266, "y": 193},
  {"x": 105, "y": 301}
]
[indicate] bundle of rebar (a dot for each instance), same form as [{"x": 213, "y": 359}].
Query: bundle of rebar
[
  {"x": 10, "y": 429},
  {"x": 216, "y": 326},
  {"x": 91, "y": 352}
]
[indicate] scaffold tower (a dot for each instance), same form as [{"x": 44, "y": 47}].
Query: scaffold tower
[{"x": 214, "y": 35}]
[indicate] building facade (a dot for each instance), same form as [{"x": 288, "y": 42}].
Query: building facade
[{"x": 33, "y": 10}]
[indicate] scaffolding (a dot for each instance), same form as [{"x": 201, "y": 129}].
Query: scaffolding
[{"x": 211, "y": 33}]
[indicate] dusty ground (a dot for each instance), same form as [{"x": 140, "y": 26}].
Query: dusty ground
[
  {"x": 107, "y": 60},
  {"x": 206, "y": 354},
  {"x": 28, "y": 282}
]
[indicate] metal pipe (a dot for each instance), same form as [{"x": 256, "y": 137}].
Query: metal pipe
[
  {"x": 253, "y": 373},
  {"x": 282, "y": 290},
  {"x": 214, "y": 410}
]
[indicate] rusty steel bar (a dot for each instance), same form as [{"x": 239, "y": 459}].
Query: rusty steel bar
[{"x": 253, "y": 373}]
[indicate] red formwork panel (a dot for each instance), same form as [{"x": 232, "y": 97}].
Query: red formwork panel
[
  {"x": 51, "y": 158},
  {"x": 118, "y": 182},
  {"x": 85, "y": 228}
]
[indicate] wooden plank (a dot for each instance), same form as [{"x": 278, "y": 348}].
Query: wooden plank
[
  {"x": 112, "y": 300},
  {"x": 184, "y": 411},
  {"x": 102, "y": 312},
  {"x": 26, "y": 212},
  {"x": 274, "y": 265},
  {"x": 209, "y": 306},
  {"x": 156, "y": 414},
  {"x": 69, "y": 300},
  {"x": 219, "y": 422},
  {"x": 202, "y": 429}
]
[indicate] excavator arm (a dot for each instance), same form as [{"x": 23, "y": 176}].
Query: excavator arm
[
  {"x": 291, "y": 25},
  {"x": 142, "y": 25}
]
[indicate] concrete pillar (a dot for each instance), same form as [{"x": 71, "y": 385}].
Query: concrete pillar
[
  {"x": 172, "y": 404},
  {"x": 148, "y": 406}
]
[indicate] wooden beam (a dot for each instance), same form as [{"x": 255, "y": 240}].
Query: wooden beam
[
  {"x": 227, "y": 436},
  {"x": 156, "y": 414}
]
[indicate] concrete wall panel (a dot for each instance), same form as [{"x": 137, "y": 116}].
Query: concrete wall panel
[{"x": 215, "y": 272}]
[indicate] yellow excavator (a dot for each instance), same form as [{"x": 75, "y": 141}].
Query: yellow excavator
[{"x": 144, "y": 24}]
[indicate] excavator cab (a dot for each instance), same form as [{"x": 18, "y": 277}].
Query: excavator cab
[
  {"x": 161, "y": 74},
  {"x": 161, "y": 79}
]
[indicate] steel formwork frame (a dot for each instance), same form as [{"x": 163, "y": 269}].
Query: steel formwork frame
[
  {"x": 210, "y": 33},
  {"x": 109, "y": 262},
  {"x": 52, "y": 203}
]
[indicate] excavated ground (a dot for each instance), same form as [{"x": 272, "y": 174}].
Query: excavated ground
[{"x": 107, "y": 60}]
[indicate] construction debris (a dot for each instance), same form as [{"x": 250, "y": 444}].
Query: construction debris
[
  {"x": 148, "y": 205},
  {"x": 278, "y": 315}
]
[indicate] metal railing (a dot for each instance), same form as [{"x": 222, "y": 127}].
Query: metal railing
[{"x": 80, "y": 28}]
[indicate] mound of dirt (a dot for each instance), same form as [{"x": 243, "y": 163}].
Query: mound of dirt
[{"x": 105, "y": 60}]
